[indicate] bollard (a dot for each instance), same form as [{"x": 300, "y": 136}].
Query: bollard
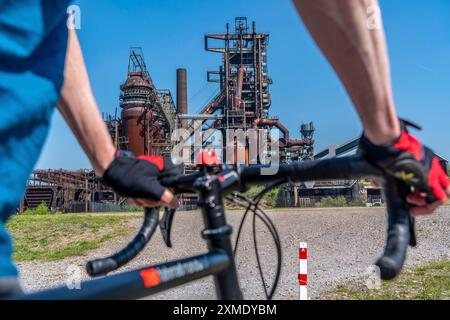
[{"x": 303, "y": 271}]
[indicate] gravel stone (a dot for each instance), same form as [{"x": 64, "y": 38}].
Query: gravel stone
[{"x": 342, "y": 244}]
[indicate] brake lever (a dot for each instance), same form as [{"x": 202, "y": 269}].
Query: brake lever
[
  {"x": 412, "y": 223},
  {"x": 401, "y": 229},
  {"x": 411, "y": 220},
  {"x": 165, "y": 225}
]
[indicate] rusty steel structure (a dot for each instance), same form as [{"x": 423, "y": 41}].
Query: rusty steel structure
[
  {"x": 149, "y": 116},
  {"x": 243, "y": 77},
  {"x": 63, "y": 190},
  {"x": 244, "y": 100}
]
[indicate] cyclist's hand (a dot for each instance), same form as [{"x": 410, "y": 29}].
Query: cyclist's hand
[
  {"x": 137, "y": 178},
  {"x": 415, "y": 164}
]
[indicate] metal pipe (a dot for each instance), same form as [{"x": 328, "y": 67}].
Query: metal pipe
[
  {"x": 182, "y": 106},
  {"x": 240, "y": 81},
  {"x": 277, "y": 123},
  {"x": 200, "y": 116}
]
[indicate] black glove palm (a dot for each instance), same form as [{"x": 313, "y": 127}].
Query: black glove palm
[{"x": 137, "y": 177}]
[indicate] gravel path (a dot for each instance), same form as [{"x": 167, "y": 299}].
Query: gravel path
[{"x": 342, "y": 244}]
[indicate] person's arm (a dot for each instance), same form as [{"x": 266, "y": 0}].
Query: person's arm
[
  {"x": 359, "y": 56},
  {"x": 350, "y": 34},
  {"x": 79, "y": 109}
]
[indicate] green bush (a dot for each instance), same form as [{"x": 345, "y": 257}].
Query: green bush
[
  {"x": 40, "y": 209},
  {"x": 333, "y": 202},
  {"x": 131, "y": 208},
  {"x": 253, "y": 191},
  {"x": 270, "y": 199},
  {"x": 358, "y": 203}
]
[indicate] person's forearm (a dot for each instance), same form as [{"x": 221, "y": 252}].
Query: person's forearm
[
  {"x": 78, "y": 107},
  {"x": 359, "y": 56}
]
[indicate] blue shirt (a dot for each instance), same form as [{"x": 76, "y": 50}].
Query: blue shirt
[{"x": 33, "y": 42}]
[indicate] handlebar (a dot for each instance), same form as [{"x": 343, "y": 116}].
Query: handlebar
[
  {"x": 400, "y": 225},
  {"x": 104, "y": 265}
]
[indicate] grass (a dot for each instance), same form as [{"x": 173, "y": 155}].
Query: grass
[
  {"x": 431, "y": 282},
  {"x": 57, "y": 236}
]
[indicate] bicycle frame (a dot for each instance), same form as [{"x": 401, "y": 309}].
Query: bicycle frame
[{"x": 219, "y": 260}]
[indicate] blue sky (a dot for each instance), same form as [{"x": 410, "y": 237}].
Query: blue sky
[{"x": 304, "y": 88}]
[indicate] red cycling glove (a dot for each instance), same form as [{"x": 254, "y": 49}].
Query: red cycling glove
[{"x": 407, "y": 159}]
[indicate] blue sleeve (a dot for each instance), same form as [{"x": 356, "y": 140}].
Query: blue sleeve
[
  {"x": 33, "y": 38},
  {"x": 25, "y": 23}
]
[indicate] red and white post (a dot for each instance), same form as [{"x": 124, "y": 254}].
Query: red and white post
[{"x": 303, "y": 271}]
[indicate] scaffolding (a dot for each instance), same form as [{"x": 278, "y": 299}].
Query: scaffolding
[
  {"x": 243, "y": 76},
  {"x": 63, "y": 190}
]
